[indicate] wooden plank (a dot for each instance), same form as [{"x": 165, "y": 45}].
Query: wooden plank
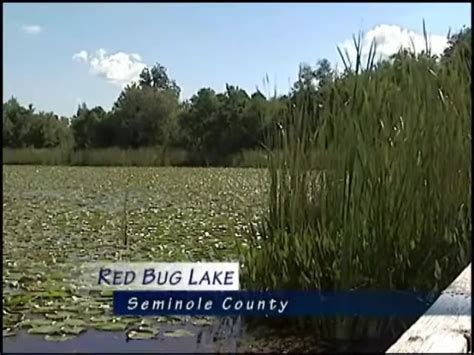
[
  {"x": 448, "y": 342},
  {"x": 442, "y": 333}
]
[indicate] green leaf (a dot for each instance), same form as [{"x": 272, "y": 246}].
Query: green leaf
[
  {"x": 201, "y": 322},
  {"x": 110, "y": 326},
  {"x": 42, "y": 310},
  {"x": 45, "y": 329},
  {"x": 59, "y": 315},
  {"x": 106, "y": 293},
  {"x": 62, "y": 337},
  {"x": 73, "y": 330},
  {"x": 142, "y": 334},
  {"x": 54, "y": 294},
  {"x": 102, "y": 319},
  {"x": 8, "y": 332},
  {"x": 36, "y": 323},
  {"x": 178, "y": 333},
  {"x": 94, "y": 312},
  {"x": 73, "y": 322}
]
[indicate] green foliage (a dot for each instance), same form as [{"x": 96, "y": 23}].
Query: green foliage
[
  {"x": 142, "y": 116},
  {"x": 145, "y": 156},
  {"x": 391, "y": 209},
  {"x": 151, "y": 156},
  {"x": 15, "y": 123},
  {"x": 214, "y": 128},
  {"x": 71, "y": 216},
  {"x": 24, "y": 128},
  {"x": 158, "y": 79},
  {"x": 85, "y": 126},
  {"x": 249, "y": 159},
  {"x": 197, "y": 121},
  {"x": 459, "y": 44},
  {"x": 33, "y": 156},
  {"x": 369, "y": 175}
]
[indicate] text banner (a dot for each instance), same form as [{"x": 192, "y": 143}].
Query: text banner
[
  {"x": 200, "y": 276},
  {"x": 295, "y": 303}
]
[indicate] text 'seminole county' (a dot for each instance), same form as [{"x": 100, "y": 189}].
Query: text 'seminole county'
[{"x": 202, "y": 304}]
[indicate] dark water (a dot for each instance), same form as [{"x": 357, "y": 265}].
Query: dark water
[
  {"x": 214, "y": 338},
  {"x": 224, "y": 336},
  {"x": 203, "y": 340}
]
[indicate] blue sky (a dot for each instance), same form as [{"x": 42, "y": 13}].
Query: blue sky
[{"x": 56, "y": 55}]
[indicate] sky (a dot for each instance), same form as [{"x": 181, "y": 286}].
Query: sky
[{"x": 56, "y": 56}]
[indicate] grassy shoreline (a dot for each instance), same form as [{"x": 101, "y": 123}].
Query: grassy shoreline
[{"x": 145, "y": 157}]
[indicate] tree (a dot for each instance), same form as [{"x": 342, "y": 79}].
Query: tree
[
  {"x": 8, "y": 132},
  {"x": 143, "y": 116},
  {"x": 157, "y": 78},
  {"x": 323, "y": 74},
  {"x": 459, "y": 42},
  {"x": 308, "y": 91},
  {"x": 230, "y": 130},
  {"x": 16, "y": 123},
  {"x": 198, "y": 121},
  {"x": 306, "y": 79},
  {"x": 213, "y": 125},
  {"x": 255, "y": 118},
  {"x": 85, "y": 126},
  {"x": 312, "y": 80}
]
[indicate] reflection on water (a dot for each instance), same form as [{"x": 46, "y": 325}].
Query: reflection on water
[
  {"x": 220, "y": 337},
  {"x": 209, "y": 339}
]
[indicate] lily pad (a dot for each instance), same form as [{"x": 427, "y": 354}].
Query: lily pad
[
  {"x": 101, "y": 319},
  {"x": 178, "y": 333},
  {"x": 201, "y": 322},
  {"x": 33, "y": 323},
  {"x": 147, "y": 322},
  {"x": 104, "y": 301},
  {"x": 62, "y": 337},
  {"x": 54, "y": 294},
  {"x": 64, "y": 222},
  {"x": 142, "y": 334},
  {"x": 45, "y": 329},
  {"x": 13, "y": 315},
  {"x": 110, "y": 326},
  {"x": 130, "y": 320},
  {"x": 73, "y": 330},
  {"x": 74, "y": 322},
  {"x": 59, "y": 315},
  {"x": 94, "y": 312},
  {"x": 8, "y": 332},
  {"x": 74, "y": 309},
  {"x": 107, "y": 293},
  {"x": 171, "y": 320},
  {"x": 162, "y": 319},
  {"x": 12, "y": 318},
  {"x": 146, "y": 328},
  {"x": 15, "y": 301},
  {"x": 42, "y": 310}
]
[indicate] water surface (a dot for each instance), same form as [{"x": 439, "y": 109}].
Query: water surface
[{"x": 215, "y": 338}]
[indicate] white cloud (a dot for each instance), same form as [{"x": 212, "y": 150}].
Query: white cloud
[
  {"x": 389, "y": 39},
  {"x": 118, "y": 68},
  {"x": 32, "y": 29},
  {"x": 81, "y": 56}
]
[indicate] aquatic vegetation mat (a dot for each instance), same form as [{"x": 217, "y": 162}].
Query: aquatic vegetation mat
[{"x": 56, "y": 218}]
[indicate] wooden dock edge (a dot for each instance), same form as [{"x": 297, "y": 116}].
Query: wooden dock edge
[{"x": 433, "y": 333}]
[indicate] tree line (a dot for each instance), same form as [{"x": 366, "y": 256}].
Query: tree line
[{"x": 209, "y": 126}]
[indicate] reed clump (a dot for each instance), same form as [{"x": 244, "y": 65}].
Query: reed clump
[{"x": 390, "y": 209}]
